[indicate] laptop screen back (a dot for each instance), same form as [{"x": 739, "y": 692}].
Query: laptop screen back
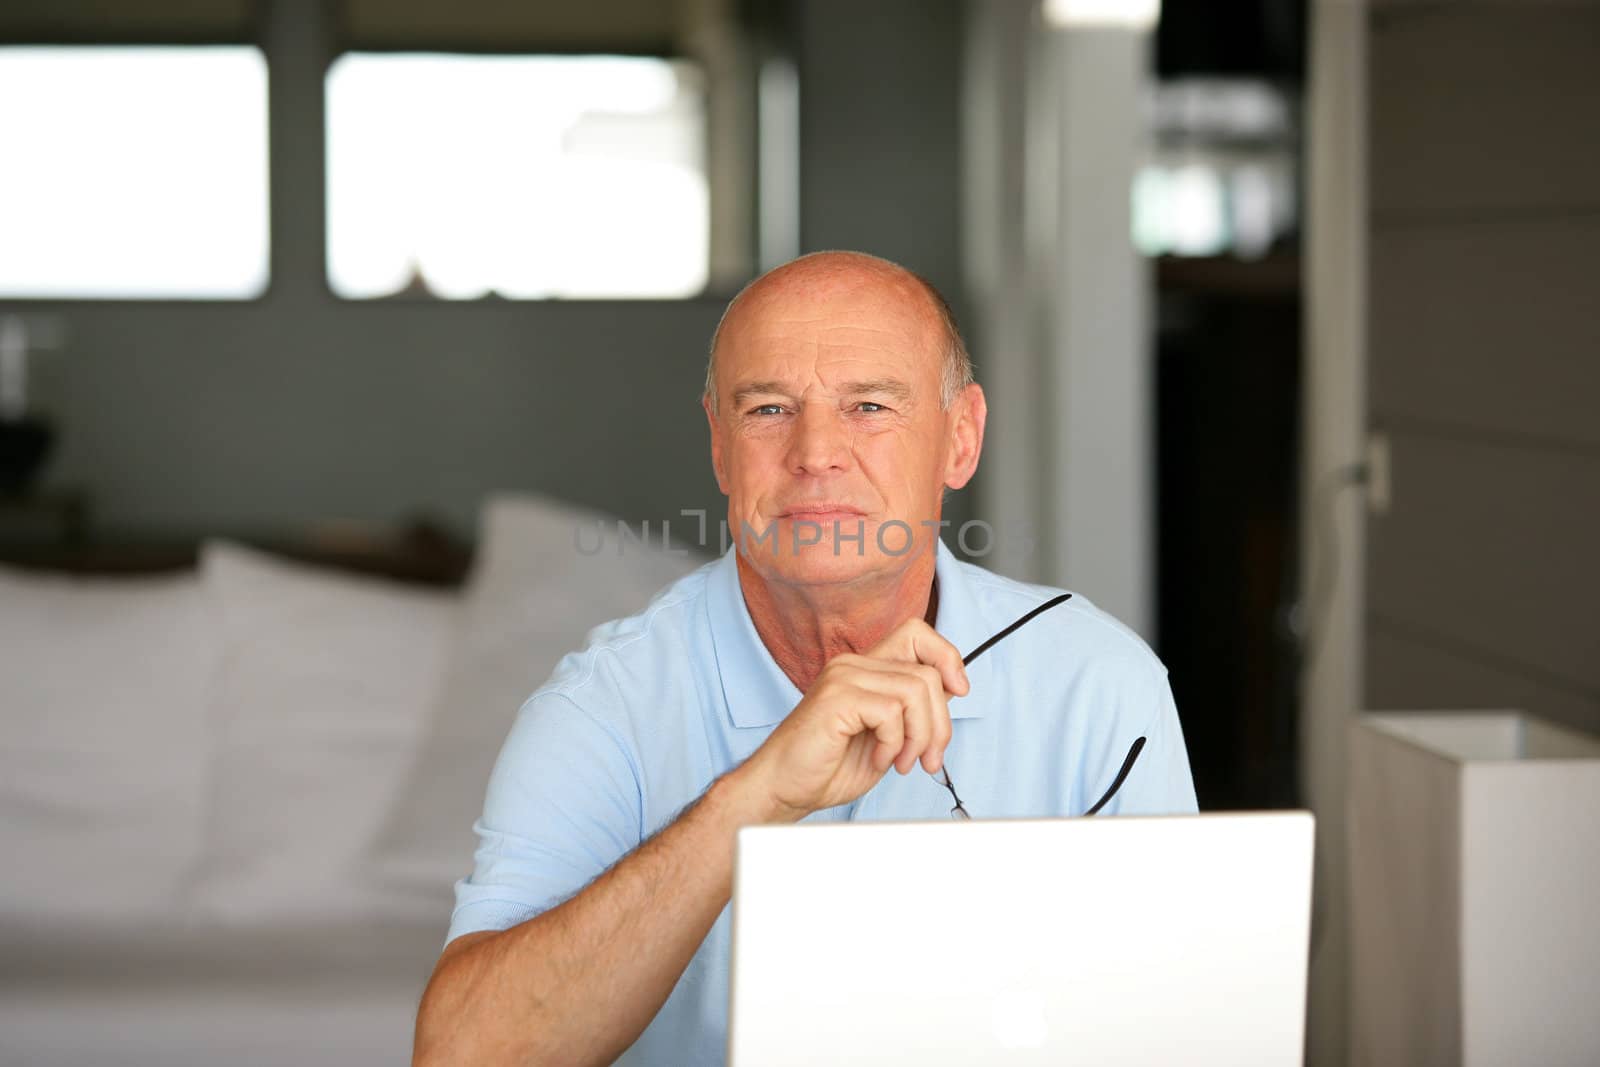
[{"x": 1096, "y": 941}]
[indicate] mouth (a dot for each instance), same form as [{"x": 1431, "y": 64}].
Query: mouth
[{"x": 827, "y": 512}]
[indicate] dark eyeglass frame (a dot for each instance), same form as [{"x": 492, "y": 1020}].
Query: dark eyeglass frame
[{"x": 959, "y": 811}]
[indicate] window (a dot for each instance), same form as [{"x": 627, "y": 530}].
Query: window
[
  {"x": 520, "y": 176},
  {"x": 1222, "y": 175},
  {"x": 133, "y": 173}
]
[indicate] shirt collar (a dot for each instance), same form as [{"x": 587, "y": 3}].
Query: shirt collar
[{"x": 759, "y": 694}]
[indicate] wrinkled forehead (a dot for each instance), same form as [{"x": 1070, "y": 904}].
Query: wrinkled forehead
[{"x": 853, "y": 326}]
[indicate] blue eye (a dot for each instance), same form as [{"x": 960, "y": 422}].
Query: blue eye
[
  {"x": 767, "y": 409},
  {"x": 871, "y": 408}
]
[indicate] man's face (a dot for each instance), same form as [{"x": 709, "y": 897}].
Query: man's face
[{"x": 829, "y": 426}]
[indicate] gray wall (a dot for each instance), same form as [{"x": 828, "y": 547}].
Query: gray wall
[
  {"x": 300, "y": 407},
  {"x": 880, "y": 100},
  {"x": 1482, "y": 582}
]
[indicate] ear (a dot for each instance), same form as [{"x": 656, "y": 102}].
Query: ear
[
  {"x": 968, "y": 415},
  {"x": 716, "y": 446}
]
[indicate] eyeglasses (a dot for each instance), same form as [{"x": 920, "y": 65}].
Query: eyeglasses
[{"x": 959, "y": 811}]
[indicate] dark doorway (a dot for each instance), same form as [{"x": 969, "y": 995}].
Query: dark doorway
[
  {"x": 1228, "y": 366},
  {"x": 1228, "y": 386}
]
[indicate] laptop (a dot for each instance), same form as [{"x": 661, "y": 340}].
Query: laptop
[{"x": 1128, "y": 940}]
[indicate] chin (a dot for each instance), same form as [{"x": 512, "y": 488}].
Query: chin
[
  {"x": 824, "y": 564},
  {"x": 817, "y": 565}
]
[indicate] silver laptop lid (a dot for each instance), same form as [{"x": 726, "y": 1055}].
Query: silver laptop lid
[{"x": 1097, "y": 941}]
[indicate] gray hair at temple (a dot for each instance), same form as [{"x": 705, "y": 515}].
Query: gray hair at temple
[{"x": 956, "y": 373}]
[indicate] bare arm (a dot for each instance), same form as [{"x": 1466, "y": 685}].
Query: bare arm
[{"x": 579, "y": 983}]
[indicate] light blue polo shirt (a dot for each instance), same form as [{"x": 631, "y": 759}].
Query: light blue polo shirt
[{"x": 636, "y": 726}]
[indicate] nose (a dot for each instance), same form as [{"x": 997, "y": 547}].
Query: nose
[{"x": 819, "y": 442}]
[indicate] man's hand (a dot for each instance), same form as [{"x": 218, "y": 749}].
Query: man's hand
[{"x": 864, "y": 713}]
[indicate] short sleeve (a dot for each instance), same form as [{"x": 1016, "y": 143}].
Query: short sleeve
[
  {"x": 1159, "y": 782},
  {"x": 563, "y": 805}
]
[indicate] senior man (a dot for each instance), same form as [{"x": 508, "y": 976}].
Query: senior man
[{"x": 780, "y": 683}]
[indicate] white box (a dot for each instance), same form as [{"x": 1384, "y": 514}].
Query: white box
[{"x": 1474, "y": 860}]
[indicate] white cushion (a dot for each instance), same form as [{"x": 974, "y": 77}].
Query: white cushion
[
  {"x": 103, "y": 743},
  {"x": 531, "y": 598},
  {"x": 323, "y": 693}
]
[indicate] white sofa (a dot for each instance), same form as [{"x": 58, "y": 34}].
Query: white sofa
[{"x": 233, "y": 802}]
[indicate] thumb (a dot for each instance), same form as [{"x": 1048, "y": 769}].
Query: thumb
[{"x": 917, "y": 642}]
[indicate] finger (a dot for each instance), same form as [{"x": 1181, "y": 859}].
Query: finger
[
  {"x": 907, "y": 692},
  {"x": 933, "y": 714},
  {"x": 943, "y": 730},
  {"x": 920, "y": 688},
  {"x": 914, "y": 641},
  {"x": 882, "y": 713},
  {"x": 918, "y": 726},
  {"x": 939, "y": 719}
]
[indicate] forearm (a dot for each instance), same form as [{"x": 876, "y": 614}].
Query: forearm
[{"x": 579, "y": 983}]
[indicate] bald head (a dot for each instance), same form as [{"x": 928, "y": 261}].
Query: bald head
[{"x": 823, "y": 274}]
